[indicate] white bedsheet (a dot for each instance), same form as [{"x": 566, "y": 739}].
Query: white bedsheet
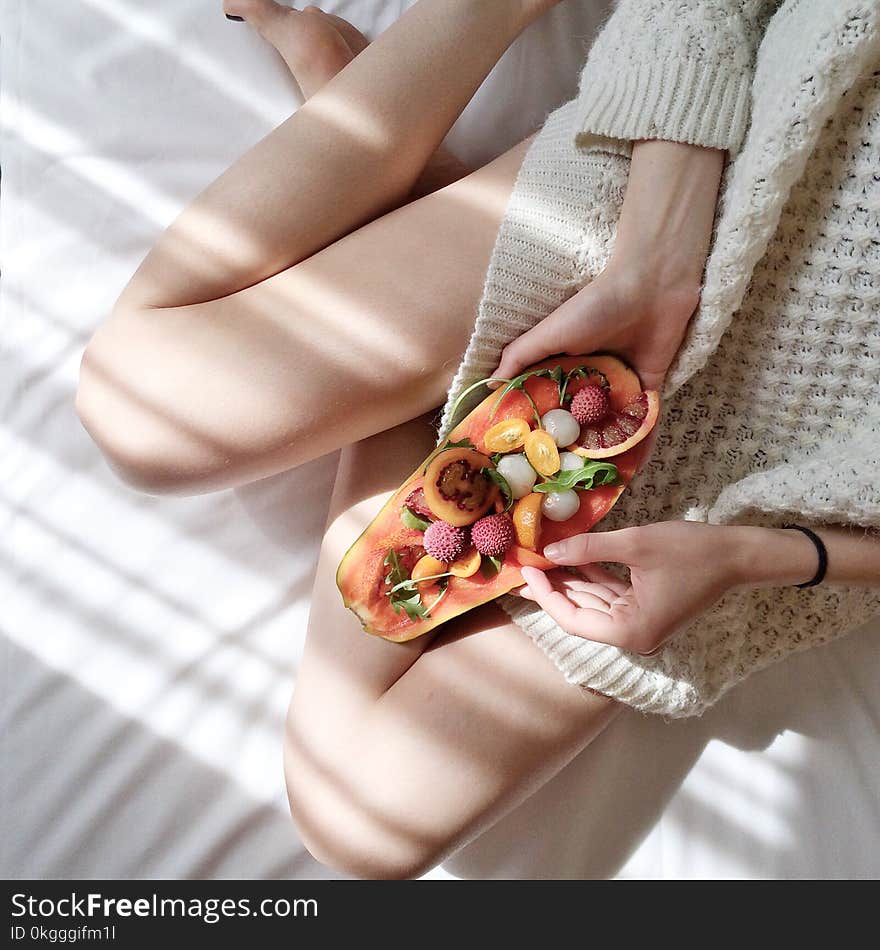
[{"x": 150, "y": 644}]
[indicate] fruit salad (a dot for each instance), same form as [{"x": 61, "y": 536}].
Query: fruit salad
[{"x": 541, "y": 458}]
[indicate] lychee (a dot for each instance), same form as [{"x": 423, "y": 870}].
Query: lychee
[
  {"x": 492, "y": 535},
  {"x": 590, "y": 405},
  {"x": 445, "y": 542}
]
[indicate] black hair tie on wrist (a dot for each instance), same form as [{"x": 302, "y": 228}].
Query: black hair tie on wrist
[{"x": 821, "y": 550}]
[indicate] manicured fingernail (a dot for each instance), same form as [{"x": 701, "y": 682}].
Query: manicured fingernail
[
  {"x": 554, "y": 551},
  {"x": 238, "y": 19}
]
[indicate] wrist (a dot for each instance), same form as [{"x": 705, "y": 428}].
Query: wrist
[
  {"x": 666, "y": 220},
  {"x": 770, "y": 557}
]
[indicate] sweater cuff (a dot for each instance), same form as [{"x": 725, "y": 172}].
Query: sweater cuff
[{"x": 691, "y": 101}]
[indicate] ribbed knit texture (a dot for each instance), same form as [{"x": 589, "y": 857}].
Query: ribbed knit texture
[
  {"x": 769, "y": 415},
  {"x": 673, "y": 69}
]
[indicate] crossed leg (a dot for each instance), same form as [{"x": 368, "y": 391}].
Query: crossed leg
[
  {"x": 287, "y": 311},
  {"x": 396, "y": 755}
]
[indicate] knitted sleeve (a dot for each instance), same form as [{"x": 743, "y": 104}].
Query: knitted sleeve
[{"x": 672, "y": 69}]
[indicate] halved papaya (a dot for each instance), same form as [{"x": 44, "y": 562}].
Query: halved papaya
[{"x": 384, "y": 555}]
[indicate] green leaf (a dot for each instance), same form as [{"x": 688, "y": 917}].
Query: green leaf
[
  {"x": 591, "y": 475},
  {"x": 490, "y": 566},
  {"x": 460, "y": 398},
  {"x": 495, "y": 476},
  {"x": 407, "y": 585},
  {"x": 518, "y": 382},
  {"x": 412, "y": 606},
  {"x": 583, "y": 372},
  {"x": 413, "y": 520},
  {"x": 464, "y": 443},
  {"x": 408, "y": 601}
]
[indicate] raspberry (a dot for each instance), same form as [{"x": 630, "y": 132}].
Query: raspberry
[{"x": 590, "y": 405}]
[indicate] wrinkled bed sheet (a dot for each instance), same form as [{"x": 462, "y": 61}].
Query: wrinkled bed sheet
[{"x": 150, "y": 644}]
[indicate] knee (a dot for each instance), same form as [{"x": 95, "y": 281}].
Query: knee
[
  {"x": 143, "y": 443},
  {"x": 342, "y": 832}
]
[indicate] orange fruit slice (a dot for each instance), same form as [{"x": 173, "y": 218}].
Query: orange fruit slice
[
  {"x": 427, "y": 566},
  {"x": 542, "y": 452},
  {"x": 527, "y": 520},
  {"x": 507, "y": 435},
  {"x": 467, "y": 565}
]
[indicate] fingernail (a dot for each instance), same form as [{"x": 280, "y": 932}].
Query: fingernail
[
  {"x": 238, "y": 19},
  {"x": 554, "y": 551}
]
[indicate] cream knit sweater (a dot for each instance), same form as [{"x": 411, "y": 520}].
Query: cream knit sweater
[{"x": 772, "y": 408}]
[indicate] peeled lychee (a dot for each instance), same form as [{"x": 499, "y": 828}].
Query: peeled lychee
[
  {"x": 492, "y": 535},
  {"x": 590, "y": 405},
  {"x": 445, "y": 542}
]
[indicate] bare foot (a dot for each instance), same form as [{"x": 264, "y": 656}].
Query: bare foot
[{"x": 316, "y": 46}]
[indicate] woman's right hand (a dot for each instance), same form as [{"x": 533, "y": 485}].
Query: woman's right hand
[
  {"x": 639, "y": 306},
  {"x": 623, "y": 312}
]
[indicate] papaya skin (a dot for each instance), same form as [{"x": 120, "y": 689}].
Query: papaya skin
[{"x": 361, "y": 573}]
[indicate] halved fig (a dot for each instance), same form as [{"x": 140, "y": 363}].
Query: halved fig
[{"x": 456, "y": 489}]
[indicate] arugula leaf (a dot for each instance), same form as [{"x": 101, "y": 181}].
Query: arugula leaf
[
  {"x": 409, "y": 602},
  {"x": 518, "y": 382},
  {"x": 583, "y": 372},
  {"x": 412, "y": 606},
  {"x": 464, "y": 443},
  {"x": 408, "y": 584},
  {"x": 453, "y": 412},
  {"x": 591, "y": 475},
  {"x": 495, "y": 476},
  {"x": 413, "y": 520}
]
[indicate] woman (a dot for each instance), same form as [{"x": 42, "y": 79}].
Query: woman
[{"x": 294, "y": 308}]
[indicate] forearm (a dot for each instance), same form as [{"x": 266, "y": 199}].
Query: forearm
[
  {"x": 666, "y": 220},
  {"x": 769, "y": 557}
]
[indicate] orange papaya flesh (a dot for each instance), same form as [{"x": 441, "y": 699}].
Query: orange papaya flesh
[{"x": 362, "y": 572}]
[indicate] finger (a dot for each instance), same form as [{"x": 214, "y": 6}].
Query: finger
[
  {"x": 600, "y": 591},
  {"x": 523, "y": 592},
  {"x": 600, "y": 546},
  {"x": 534, "y": 345},
  {"x": 601, "y": 575},
  {"x": 582, "y": 622},
  {"x": 585, "y": 599}
]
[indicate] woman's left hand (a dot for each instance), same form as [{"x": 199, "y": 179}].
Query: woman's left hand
[{"x": 678, "y": 570}]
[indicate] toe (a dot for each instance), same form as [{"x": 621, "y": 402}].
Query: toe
[{"x": 256, "y": 12}]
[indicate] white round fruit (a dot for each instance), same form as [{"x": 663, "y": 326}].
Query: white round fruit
[
  {"x": 560, "y": 505},
  {"x": 519, "y": 474},
  {"x": 568, "y": 461},
  {"x": 561, "y": 426}
]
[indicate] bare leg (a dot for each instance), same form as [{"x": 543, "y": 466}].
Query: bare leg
[
  {"x": 210, "y": 372},
  {"x": 398, "y": 754},
  {"x": 316, "y": 46},
  {"x": 351, "y": 152}
]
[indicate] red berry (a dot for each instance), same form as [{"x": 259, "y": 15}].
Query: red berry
[{"x": 590, "y": 405}]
